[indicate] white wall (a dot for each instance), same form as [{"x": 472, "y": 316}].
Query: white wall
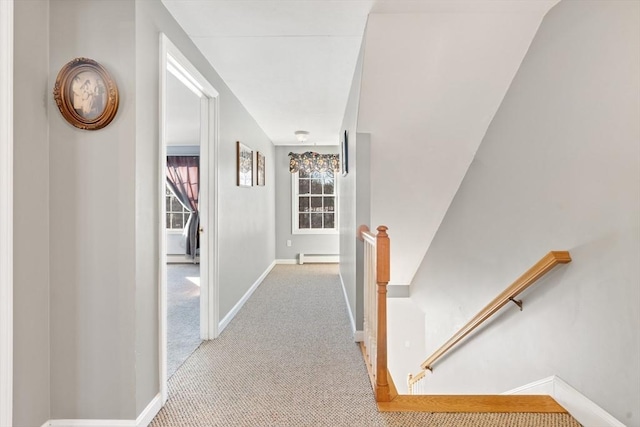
[
  {"x": 300, "y": 243},
  {"x": 31, "y": 391},
  {"x": 182, "y": 112},
  {"x": 431, "y": 83},
  {"x": 558, "y": 169},
  {"x": 86, "y": 262},
  {"x": 247, "y": 215},
  {"x": 405, "y": 340},
  {"x": 176, "y": 243},
  {"x": 92, "y": 205},
  {"x": 352, "y": 213}
]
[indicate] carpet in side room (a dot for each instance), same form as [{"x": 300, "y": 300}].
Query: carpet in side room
[{"x": 183, "y": 313}]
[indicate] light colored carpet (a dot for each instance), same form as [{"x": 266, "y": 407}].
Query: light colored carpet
[
  {"x": 183, "y": 314},
  {"x": 288, "y": 359}
]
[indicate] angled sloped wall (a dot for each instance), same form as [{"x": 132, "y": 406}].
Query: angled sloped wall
[
  {"x": 559, "y": 169},
  {"x": 431, "y": 83}
]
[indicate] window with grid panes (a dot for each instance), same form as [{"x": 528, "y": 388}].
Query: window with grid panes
[
  {"x": 177, "y": 215},
  {"x": 314, "y": 203}
]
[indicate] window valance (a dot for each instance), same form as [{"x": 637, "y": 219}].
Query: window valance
[{"x": 310, "y": 162}]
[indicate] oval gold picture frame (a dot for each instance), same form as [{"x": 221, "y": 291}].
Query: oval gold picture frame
[{"x": 86, "y": 95}]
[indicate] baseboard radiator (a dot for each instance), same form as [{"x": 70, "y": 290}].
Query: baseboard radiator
[{"x": 317, "y": 258}]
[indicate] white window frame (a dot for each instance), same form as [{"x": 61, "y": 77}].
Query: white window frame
[
  {"x": 167, "y": 212},
  {"x": 294, "y": 209}
]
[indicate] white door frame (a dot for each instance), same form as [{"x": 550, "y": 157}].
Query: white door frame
[
  {"x": 6, "y": 212},
  {"x": 170, "y": 56}
]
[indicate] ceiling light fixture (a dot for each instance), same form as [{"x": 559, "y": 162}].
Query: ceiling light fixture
[{"x": 301, "y": 135}]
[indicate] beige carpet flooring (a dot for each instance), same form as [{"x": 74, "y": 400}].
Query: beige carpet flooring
[
  {"x": 183, "y": 314},
  {"x": 288, "y": 359}
]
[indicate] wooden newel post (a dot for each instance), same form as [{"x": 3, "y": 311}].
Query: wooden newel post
[{"x": 384, "y": 392}]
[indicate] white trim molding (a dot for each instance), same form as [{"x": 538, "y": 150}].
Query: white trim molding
[
  {"x": 294, "y": 209},
  {"x": 148, "y": 413},
  {"x": 287, "y": 261},
  {"x": 6, "y": 212},
  {"x": 90, "y": 423},
  {"x": 585, "y": 411},
  {"x": 358, "y": 336},
  {"x": 143, "y": 420},
  {"x": 172, "y": 60},
  {"x": 318, "y": 258},
  {"x": 236, "y": 308}
]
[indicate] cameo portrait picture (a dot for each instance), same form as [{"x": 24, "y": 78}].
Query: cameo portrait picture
[
  {"x": 88, "y": 94},
  {"x": 85, "y": 94}
]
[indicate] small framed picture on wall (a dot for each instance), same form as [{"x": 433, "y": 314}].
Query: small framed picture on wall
[
  {"x": 245, "y": 165},
  {"x": 85, "y": 94},
  {"x": 260, "y": 172},
  {"x": 344, "y": 154}
]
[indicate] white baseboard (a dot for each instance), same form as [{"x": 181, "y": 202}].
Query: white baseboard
[
  {"x": 181, "y": 259},
  {"x": 286, "y": 261},
  {"x": 356, "y": 337},
  {"x": 90, "y": 423},
  {"x": 543, "y": 386},
  {"x": 236, "y": 308},
  {"x": 318, "y": 258},
  {"x": 152, "y": 409},
  {"x": 143, "y": 420},
  {"x": 577, "y": 404}
]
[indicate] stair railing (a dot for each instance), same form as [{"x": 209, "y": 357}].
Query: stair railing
[
  {"x": 376, "y": 278},
  {"x": 542, "y": 267}
]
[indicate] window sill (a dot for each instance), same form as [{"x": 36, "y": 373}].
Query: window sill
[
  {"x": 315, "y": 232},
  {"x": 174, "y": 230}
]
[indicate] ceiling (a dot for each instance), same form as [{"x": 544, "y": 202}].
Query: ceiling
[
  {"x": 291, "y": 62},
  {"x": 183, "y": 114}
]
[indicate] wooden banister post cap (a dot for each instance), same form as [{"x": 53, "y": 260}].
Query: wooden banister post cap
[
  {"x": 382, "y": 230},
  {"x": 362, "y": 229}
]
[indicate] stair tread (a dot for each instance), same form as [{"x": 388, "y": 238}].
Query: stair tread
[{"x": 472, "y": 403}]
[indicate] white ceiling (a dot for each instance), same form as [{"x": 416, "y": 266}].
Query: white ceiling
[
  {"x": 291, "y": 62},
  {"x": 183, "y": 114}
]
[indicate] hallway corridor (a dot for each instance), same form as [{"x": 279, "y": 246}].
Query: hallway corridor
[{"x": 288, "y": 359}]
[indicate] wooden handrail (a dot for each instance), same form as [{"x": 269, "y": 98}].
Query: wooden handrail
[{"x": 549, "y": 261}]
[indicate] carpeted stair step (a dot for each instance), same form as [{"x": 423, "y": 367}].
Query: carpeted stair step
[{"x": 472, "y": 403}]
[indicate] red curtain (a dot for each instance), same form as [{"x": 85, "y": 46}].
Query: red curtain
[{"x": 183, "y": 176}]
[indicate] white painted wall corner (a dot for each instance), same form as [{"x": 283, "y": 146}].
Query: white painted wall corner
[
  {"x": 236, "y": 308},
  {"x": 143, "y": 420},
  {"x": 148, "y": 413},
  {"x": 588, "y": 413},
  {"x": 358, "y": 336}
]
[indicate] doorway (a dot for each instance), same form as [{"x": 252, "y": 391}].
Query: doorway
[
  {"x": 182, "y": 223},
  {"x": 177, "y": 72}
]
